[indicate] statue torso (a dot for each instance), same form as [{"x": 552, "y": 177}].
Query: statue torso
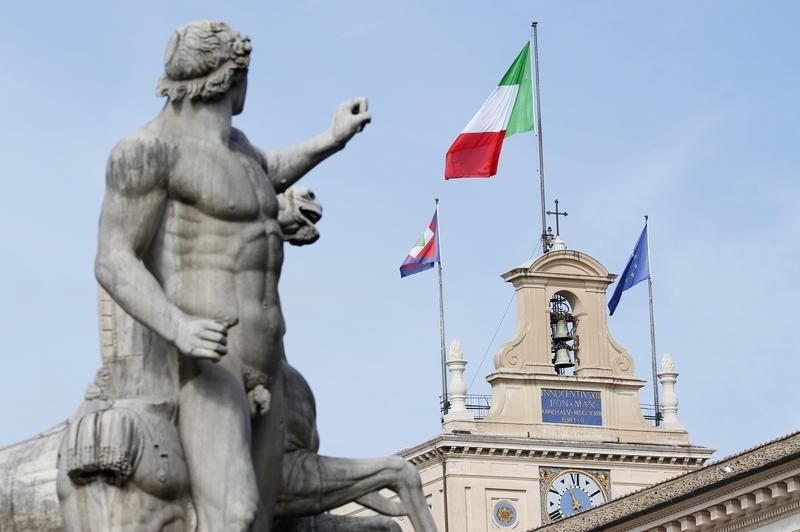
[{"x": 219, "y": 249}]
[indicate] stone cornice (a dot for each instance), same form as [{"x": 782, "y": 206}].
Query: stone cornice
[
  {"x": 466, "y": 446},
  {"x": 583, "y": 266},
  {"x": 574, "y": 381},
  {"x": 763, "y": 518},
  {"x": 740, "y": 470}
]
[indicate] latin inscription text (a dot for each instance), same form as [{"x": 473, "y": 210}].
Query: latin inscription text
[{"x": 574, "y": 407}]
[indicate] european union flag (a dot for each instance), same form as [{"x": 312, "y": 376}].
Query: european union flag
[{"x": 637, "y": 270}]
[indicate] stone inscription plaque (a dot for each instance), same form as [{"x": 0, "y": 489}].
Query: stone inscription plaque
[{"x": 574, "y": 407}]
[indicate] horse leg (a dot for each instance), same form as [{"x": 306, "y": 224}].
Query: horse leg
[
  {"x": 409, "y": 489},
  {"x": 377, "y": 502},
  {"x": 376, "y": 523},
  {"x": 344, "y": 480}
]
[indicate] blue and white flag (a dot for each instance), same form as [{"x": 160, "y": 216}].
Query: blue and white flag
[{"x": 637, "y": 270}]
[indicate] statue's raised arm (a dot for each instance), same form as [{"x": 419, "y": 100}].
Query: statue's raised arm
[{"x": 286, "y": 167}]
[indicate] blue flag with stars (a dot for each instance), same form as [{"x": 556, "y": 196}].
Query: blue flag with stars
[{"x": 637, "y": 270}]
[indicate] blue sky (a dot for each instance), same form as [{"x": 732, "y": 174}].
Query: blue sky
[{"x": 686, "y": 111}]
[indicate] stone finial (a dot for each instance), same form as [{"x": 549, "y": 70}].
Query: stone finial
[
  {"x": 669, "y": 403},
  {"x": 556, "y": 244},
  {"x": 455, "y": 352},
  {"x": 667, "y": 364},
  {"x": 458, "y": 388}
]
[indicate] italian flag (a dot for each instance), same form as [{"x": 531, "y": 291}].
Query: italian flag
[{"x": 508, "y": 110}]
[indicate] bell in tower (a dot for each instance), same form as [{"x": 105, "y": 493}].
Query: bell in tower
[{"x": 562, "y": 325}]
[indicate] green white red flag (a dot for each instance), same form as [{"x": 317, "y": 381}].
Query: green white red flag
[{"x": 508, "y": 110}]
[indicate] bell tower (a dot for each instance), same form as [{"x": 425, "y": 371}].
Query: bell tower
[
  {"x": 563, "y": 430},
  {"x": 562, "y": 374}
]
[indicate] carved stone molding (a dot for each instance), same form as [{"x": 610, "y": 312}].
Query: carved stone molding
[
  {"x": 623, "y": 363},
  {"x": 509, "y": 357},
  {"x": 476, "y": 450}
]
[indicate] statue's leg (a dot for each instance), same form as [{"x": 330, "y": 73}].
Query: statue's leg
[
  {"x": 214, "y": 425},
  {"x": 267, "y": 454}
]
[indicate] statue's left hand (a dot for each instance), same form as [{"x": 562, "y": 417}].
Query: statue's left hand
[{"x": 350, "y": 118}]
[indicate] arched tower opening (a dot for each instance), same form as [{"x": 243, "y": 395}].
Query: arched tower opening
[{"x": 563, "y": 333}]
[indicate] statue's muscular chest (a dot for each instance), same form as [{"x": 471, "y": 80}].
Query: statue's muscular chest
[{"x": 223, "y": 183}]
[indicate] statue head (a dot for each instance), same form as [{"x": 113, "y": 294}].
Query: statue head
[{"x": 203, "y": 61}]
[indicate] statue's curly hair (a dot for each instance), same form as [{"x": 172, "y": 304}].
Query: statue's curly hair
[{"x": 204, "y": 59}]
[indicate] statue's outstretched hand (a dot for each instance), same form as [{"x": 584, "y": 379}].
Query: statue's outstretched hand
[
  {"x": 204, "y": 338},
  {"x": 350, "y": 118}
]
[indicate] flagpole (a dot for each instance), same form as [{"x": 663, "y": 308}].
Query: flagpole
[
  {"x": 445, "y": 402},
  {"x": 652, "y": 322},
  {"x": 536, "y": 102}
]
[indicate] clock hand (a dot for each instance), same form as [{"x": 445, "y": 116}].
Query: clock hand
[{"x": 575, "y": 502}]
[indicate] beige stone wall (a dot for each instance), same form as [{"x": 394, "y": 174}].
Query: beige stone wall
[
  {"x": 476, "y": 482},
  {"x": 474, "y": 486}
]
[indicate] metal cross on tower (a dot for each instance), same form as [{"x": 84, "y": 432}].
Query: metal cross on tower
[{"x": 557, "y": 214}]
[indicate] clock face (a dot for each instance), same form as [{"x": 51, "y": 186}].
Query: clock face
[{"x": 570, "y": 491}]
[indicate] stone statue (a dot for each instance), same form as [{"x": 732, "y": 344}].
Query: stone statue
[
  {"x": 100, "y": 491},
  {"x": 190, "y": 247},
  {"x": 195, "y": 420}
]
